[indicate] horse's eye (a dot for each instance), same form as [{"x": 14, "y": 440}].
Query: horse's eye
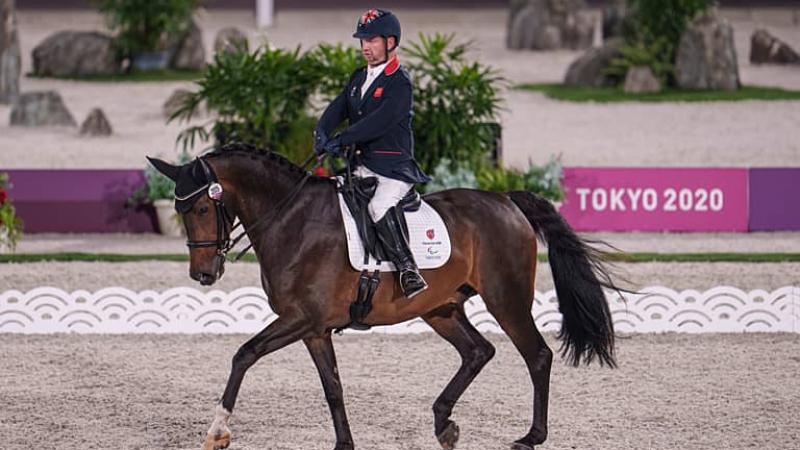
[{"x": 203, "y": 210}]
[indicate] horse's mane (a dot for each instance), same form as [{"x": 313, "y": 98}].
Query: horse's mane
[{"x": 255, "y": 153}]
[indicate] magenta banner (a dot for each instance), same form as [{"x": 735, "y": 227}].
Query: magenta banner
[
  {"x": 79, "y": 201},
  {"x": 656, "y": 199}
]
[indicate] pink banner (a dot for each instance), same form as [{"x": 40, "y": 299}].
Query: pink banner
[{"x": 647, "y": 199}]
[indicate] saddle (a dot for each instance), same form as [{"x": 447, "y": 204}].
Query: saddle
[{"x": 357, "y": 192}]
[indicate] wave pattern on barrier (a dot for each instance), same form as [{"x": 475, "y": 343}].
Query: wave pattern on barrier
[{"x": 245, "y": 310}]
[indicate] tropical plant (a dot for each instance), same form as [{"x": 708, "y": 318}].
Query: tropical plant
[
  {"x": 336, "y": 64},
  {"x": 146, "y": 25},
  {"x": 260, "y": 98},
  {"x": 10, "y": 224},
  {"x": 454, "y": 101}
]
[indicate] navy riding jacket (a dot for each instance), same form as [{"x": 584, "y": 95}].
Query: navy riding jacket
[{"x": 380, "y": 123}]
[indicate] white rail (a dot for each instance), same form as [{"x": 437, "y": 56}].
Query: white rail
[{"x": 245, "y": 310}]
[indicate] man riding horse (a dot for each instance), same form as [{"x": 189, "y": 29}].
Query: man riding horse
[{"x": 377, "y": 102}]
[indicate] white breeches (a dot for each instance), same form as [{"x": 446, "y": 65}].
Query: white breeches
[{"x": 388, "y": 193}]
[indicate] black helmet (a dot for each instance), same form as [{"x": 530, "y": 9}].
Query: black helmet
[{"x": 377, "y": 22}]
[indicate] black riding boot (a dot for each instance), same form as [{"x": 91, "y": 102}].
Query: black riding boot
[{"x": 390, "y": 234}]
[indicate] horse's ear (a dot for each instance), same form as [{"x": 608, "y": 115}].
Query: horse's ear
[{"x": 166, "y": 168}]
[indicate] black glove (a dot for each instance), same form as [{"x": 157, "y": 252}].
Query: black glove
[
  {"x": 320, "y": 139},
  {"x": 334, "y": 146}
]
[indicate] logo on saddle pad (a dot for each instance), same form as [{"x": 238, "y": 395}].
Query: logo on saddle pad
[{"x": 430, "y": 233}]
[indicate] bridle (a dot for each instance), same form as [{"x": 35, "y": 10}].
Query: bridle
[{"x": 227, "y": 224}]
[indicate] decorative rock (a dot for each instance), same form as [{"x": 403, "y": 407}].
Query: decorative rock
[
  {"x": 96, "y": 124},
  {"x": 190, "y": 53},
  {"x": 578, "y": 32},
  {"x": 36, "y": 109},
  {"x": 10, "y": 60},
  {"x": 589, "y": 69},
  {"x": 549, "y": 24},
  {"x": 75, "y": 53},
  {"x": 548, "y": 39},
  {"x": 229, "y": 39},
  {"x": 707, "y": 57},
  {"x": 174, "y": 102},
  {"x": 641, "y": 80},
  {"x": 767, "y": 49}
]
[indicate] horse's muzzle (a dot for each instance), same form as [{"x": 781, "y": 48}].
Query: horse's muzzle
[{"x": 205, "y": 279}]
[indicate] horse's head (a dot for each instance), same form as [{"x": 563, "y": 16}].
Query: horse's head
[{"x": 200, "y": 199}]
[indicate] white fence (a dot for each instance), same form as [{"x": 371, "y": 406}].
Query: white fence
[{"x": 245, "y": 310}]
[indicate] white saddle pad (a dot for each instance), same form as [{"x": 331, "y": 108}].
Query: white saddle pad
[{"x": 427, "y": 235}]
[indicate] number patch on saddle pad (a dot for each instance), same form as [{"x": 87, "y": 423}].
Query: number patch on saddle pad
[{"x": 427, "y": 235}]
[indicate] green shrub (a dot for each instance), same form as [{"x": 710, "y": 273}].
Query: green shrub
[
  {"x": 653, "y": 32},
  {"x": 145, "y": 25},
  {"x": 449, "y": 175},
  {"x": 641, "y": 54},
  {"x": 454, "y": 99},
  {"x": 543, "y": 180}
]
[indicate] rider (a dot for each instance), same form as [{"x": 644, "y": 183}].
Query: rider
[{"x": 377, "y": 102}]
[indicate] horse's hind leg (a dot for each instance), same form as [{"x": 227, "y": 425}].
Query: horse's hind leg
[
  {"x": 452, "y": 324},
  {"x": 515, "y": 318}
]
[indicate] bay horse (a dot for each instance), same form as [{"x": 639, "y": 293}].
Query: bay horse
[{"x": 302, "y": 252}]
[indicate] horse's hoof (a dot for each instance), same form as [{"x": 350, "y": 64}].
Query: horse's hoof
[
  {"x": 217, "y": 442},
  {"x": 449, "y": 436},
  {"x": 521, "y": 446}
]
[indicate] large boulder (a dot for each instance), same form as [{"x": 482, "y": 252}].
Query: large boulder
[
  {"x": 589, "y": 69},
  {"x": 75, "y": 53},
  {"x": 549, "y": 24},
  {"x": 641, "y": 80},
  {"x": 767, "y": 49},
  {"x": 10, "y": 60},
  {"x": 706, "y": 56},
  {"x": 190, "y": 54},
  {"x": 230, "y": 39},
  {"x": 96, "y": 124},
  {"x": 37, "y": 109}
]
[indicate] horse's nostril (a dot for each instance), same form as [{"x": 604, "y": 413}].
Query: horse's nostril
[{"x": 206, "y": 279}]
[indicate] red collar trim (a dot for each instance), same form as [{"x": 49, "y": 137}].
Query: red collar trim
[{"x": 392, "y": 67}]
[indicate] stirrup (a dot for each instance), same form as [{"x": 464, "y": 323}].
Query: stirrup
[{"x": 419, "y": 288}]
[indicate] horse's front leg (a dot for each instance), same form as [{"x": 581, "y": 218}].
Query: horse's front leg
[
  {"x": 321, "y": 349},
  {"x": 280, "y": 333}
]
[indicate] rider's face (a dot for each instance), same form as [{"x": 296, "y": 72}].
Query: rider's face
[{"x": 374, "y": 50}]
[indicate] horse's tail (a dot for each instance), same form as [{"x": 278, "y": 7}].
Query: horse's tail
[{"x": 579, "y": 276}]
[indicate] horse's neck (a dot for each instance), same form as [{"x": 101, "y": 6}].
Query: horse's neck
[{"x": 262, "y": 189}]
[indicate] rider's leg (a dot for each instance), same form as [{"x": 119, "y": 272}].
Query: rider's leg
[{"x": 386, "y": 216}]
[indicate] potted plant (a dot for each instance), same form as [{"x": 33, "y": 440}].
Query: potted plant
[
  {"x": 159, "y": 191},
  {"x": 145, "y": 27},
  {"x": 10, "y": 224}
]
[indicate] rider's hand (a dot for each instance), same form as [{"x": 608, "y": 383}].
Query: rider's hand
[
  {"x": 320, "y": 139},
  {"x": 334, "y": 146}
]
